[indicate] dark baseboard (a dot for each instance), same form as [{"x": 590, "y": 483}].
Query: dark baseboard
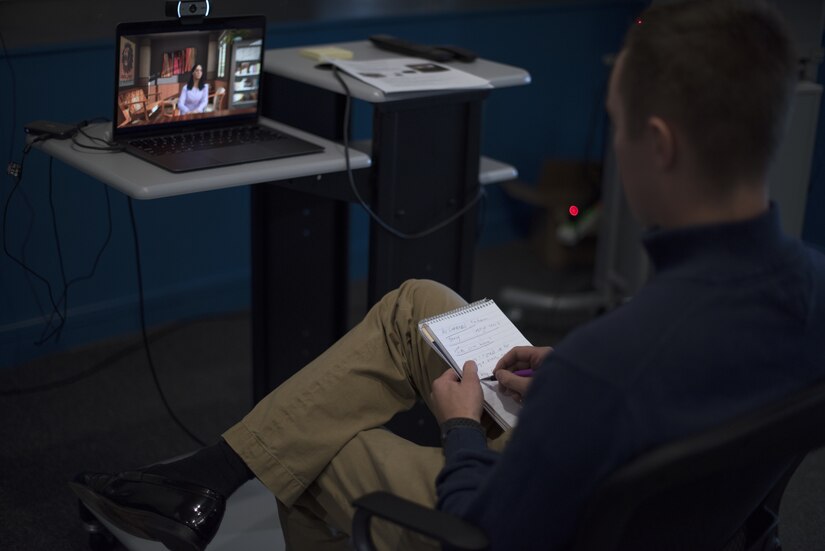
[{"x": 103, "y": 320}]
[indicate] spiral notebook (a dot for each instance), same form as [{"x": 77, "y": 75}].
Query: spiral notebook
[{"x": 480, "y": 332}]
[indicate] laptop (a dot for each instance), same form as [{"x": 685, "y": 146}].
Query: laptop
[{"x": 188, "y": 96}]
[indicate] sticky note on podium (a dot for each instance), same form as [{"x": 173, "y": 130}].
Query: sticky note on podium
[{"x": 326, "y": 52}]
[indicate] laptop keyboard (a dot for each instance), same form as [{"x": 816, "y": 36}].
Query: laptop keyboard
[{"x": 206, "y": 139}]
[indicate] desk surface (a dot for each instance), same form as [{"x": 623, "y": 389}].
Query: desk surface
[
  {"x": 142, "y": 180},
  {"x": 289, "y": 63}
]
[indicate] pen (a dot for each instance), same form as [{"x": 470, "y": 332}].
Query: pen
[{"x": 520, "y": 373}]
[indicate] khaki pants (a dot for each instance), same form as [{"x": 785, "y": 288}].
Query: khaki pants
[{"x": 316, "y": 442}]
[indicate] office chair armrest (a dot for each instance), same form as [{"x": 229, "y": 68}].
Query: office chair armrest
[{"x": 444, "y": 527}]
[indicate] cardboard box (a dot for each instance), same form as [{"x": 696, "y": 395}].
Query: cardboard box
[{"x": 562, "y": 183}]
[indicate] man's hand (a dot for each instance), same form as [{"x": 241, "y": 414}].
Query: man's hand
[
  {"x": 453, "y": 397},
  {"x": 517, "y": 359}
]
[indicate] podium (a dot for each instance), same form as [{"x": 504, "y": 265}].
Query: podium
[{"x": 426, "y": 167}]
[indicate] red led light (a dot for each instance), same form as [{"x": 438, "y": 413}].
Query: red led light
[
  {"x": 639, "y": 21},
  {"x": 573, "y": 210}
]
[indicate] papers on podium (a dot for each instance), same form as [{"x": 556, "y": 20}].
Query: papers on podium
[{"x": 409, "y": 74}]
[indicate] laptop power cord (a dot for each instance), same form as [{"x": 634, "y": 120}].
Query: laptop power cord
[{"x": 393, "y": 231}]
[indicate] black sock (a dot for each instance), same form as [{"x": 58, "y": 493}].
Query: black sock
[{"x": 216, "y": 467}]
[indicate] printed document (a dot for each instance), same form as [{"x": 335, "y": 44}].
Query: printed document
[{"x": 409, "y": 74}]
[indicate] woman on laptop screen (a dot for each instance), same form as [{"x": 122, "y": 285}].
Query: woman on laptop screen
[{"x": 195, "y": 93}]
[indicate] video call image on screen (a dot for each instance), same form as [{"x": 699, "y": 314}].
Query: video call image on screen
[{"x": 168, "y": 77}]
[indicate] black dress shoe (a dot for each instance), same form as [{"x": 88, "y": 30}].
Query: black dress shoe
[{"x": 181, "y": 515}]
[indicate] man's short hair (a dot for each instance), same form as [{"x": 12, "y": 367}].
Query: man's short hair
[{"x": 720, "y": 70}]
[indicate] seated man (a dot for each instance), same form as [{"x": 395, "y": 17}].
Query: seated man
[{"x": 732, "y": 319}]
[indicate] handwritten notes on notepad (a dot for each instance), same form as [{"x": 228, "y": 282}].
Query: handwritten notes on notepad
[{"x": 480, "y": 332}]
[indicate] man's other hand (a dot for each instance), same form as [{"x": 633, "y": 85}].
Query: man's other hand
[
  {"x": 518, "y": 359},
  {"x": 453, "y": 397}
]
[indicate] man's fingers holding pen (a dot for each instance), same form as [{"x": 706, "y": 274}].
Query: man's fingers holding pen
[
  {"x": 523, "y": 357},
  {"x": 514, "y": 370},
  {"x": 513, "y": 384}
]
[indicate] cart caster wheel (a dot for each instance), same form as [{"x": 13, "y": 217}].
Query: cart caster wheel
[{"x": 102, "y": 541}]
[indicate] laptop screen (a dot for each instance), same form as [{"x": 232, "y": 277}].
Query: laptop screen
[{"x": 170, "y": 75}]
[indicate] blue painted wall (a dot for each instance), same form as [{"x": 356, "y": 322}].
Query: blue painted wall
[{"x": 195, "y": 249}]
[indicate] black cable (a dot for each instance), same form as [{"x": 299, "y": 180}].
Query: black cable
[
  {"x": 107, "y": 145},
  {"x": 24, "y": 246},
  {"x": 397, "y": 233},
  {"x": 105, "y": 242},
  {"x": 59, "y": 329},
  {"x": 18, "y": 179},
  {"x": 109, "y": 361},
  {"x": 482, "y": 216},
  {"x": 102, "y": 365},
  {"x": 22, "y": 192},
  {"x": 68, "y": 284},
  {"x": 13, "y": 96},
  {"x": 143, "y": 329},
  {"x": 56, "y": 330}
]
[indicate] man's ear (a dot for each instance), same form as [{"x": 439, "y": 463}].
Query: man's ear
[{"x": 663, "y": 142}]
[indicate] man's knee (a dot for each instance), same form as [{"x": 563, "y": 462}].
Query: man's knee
[
  {"x": 427, "y": 291},
  {"x": 424, "y": 286}
]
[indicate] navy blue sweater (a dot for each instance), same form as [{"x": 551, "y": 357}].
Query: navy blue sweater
[{"x": 733, "y": 318}]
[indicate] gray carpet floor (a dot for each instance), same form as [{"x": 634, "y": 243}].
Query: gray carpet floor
[
  {"x": 96, "y": 408},
  {"x": 111, "y": 419}
]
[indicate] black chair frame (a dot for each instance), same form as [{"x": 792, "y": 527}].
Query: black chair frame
[{"x": 715, "y": 490}]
